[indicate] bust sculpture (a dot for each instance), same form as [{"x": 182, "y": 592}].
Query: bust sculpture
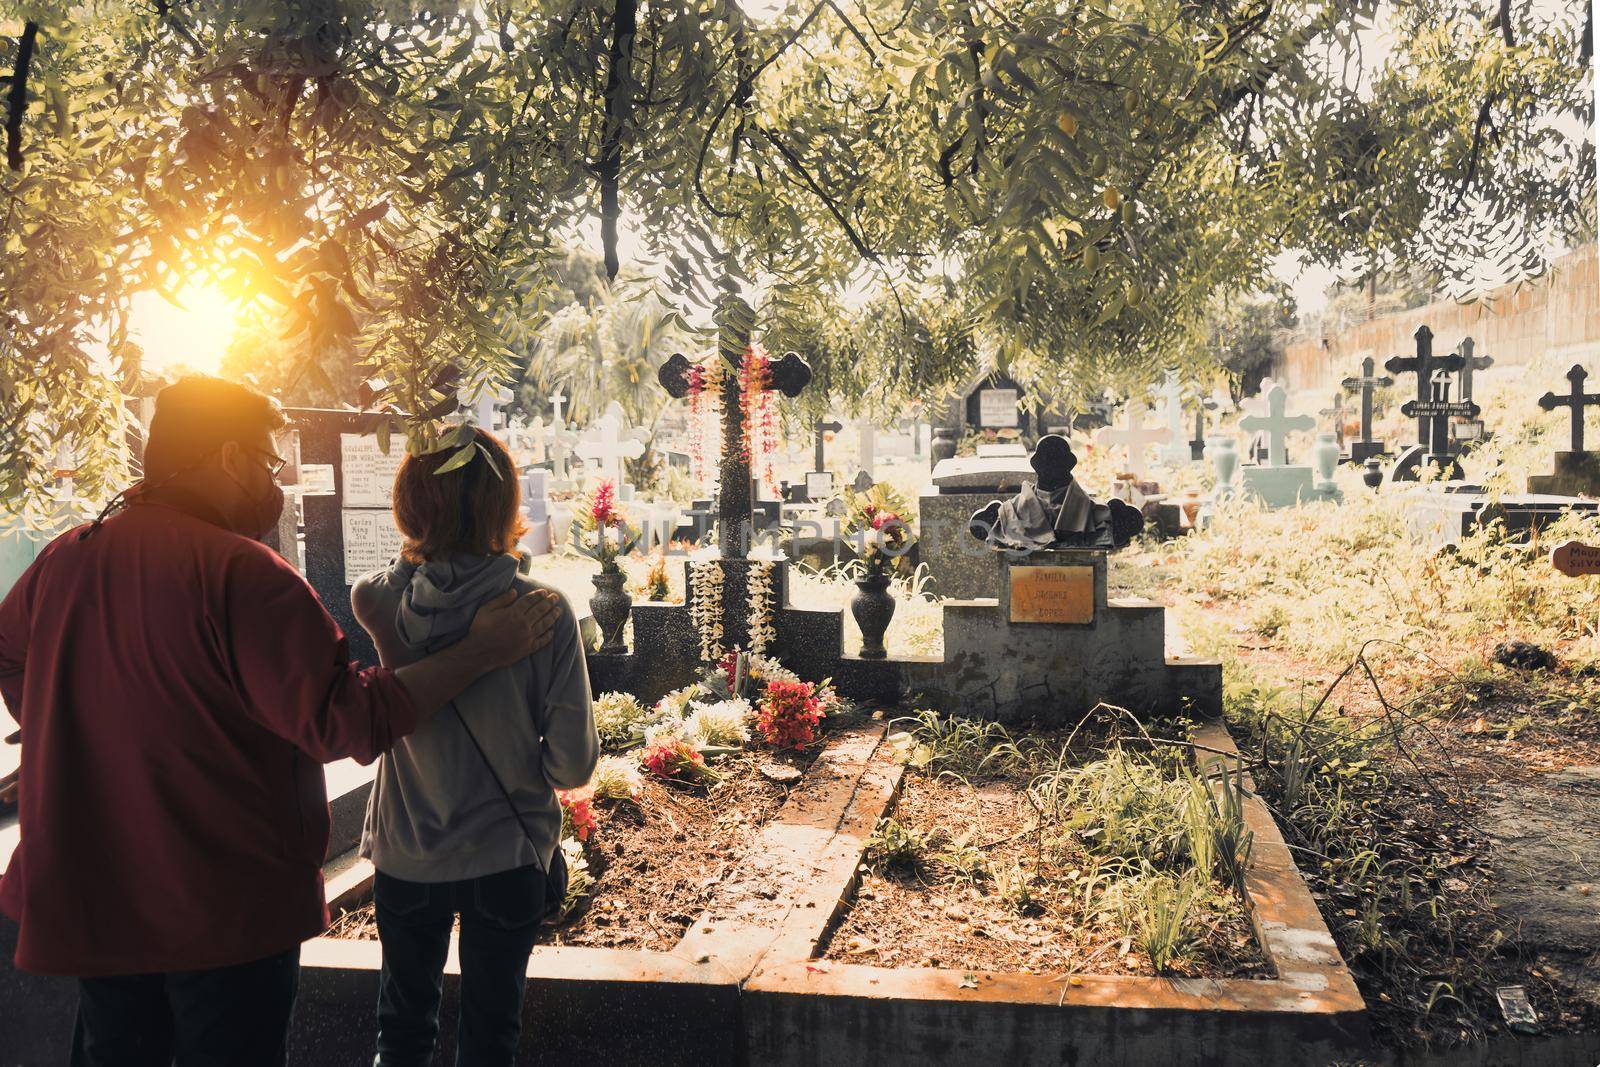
[{"x": 1054, "y": 511}]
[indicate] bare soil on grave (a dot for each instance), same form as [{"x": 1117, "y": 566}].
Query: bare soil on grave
[
  {"x": 658, "y": 859},
  {"x": 933, "y": 918}
]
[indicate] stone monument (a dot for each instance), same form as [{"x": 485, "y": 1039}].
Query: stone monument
[
  {"x": 1276, "y": 483},
  {"x": 1577, "y": 470},
  {"x": 1053, "y": 511},
  {"x": 1366, "y": 448}
]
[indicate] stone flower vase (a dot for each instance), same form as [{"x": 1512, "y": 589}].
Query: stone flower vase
[
  {"x": 1223, "y": 451},
  {"x": 610, "y": 607},
  {"x": 1324, "y": 458},
  {"x": 873, "y": 607},
  {"x": 943, "y": 444}
]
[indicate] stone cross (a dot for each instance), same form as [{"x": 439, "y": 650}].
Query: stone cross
[
  {"x": 789, "y": 375},
  {"x": 561, "y": 442},
  {"x": 1336, "y": 413},
  {"x": 1197, "y": 446},
  {"x": 533, "y": 439},
  {"x": 557, "y": 403},
  {"x": 1433, "y": 407},
  {"x": 1133, "y": 435},
  {"x": 1366, "y": 381},
  {"x": 1576, "y": 400},
  {"x": 1277, "y": 426},
  {"x": 821, "y": 428},
  {"x": 1470, "y": 363},
  {"x": 1171, "y": 396},
  {"x": 608, "y": 444}
]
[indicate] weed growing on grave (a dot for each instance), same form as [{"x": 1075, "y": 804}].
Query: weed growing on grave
[
  {"x": 894, "y": 846},
  {"x": 1110, "y": 839}
]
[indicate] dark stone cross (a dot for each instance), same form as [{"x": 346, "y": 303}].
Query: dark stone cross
[
  {"x": 821, "y": 429},
  {"x": 1366, "y": 381},
  {"x": 1197, "y": 446},
  {"x": 1576, "y": 400},
  {"x": 790, "y": 375},
  {"x": 1470, "y": 363},
  {"x": 1433, "y": 409}
]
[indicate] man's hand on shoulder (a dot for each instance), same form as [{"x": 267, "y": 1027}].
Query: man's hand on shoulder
[{"x": 509, "y": 628}]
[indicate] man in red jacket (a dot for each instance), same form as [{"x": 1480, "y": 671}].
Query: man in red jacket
[{"x": 178, "y": 686}]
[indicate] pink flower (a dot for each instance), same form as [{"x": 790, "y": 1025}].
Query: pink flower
[
  {"x": 604, "y": 506},
  {"x": 789, "y": 714},
  {"x": 578, "y": 813}
]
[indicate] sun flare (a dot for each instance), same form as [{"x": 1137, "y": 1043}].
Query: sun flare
[{"x": 191, "y": 329}]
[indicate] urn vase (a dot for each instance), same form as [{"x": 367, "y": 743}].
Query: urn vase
[
  {"x": 1372, "y": 474},
  {"x": 1223, "y": 451},
  {"x": 1324, "y": 458},
  {"x": 610, "y": 607},
  {"x": 872, "y": 607},
  {"x": 943, "y": 445}
]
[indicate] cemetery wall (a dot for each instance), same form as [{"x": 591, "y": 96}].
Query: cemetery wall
[{"x": 1558, "y": 314}]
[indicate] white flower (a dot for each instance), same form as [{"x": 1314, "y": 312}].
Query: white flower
[
  {"x": 618, "y": 717},
  {"x": 762, "y": 632},
  {"x": 724, "y": 724},
  {"x": 616, "y": 778}
]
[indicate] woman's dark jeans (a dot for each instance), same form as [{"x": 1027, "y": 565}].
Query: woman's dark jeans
[{"x": 500, "y": 916}]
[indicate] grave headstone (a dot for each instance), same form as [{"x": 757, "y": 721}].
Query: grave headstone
[
  {"x": 1176, "y": 451},
  {"x": 1276, "y": 483},
  {"x": 1367, "y": 448},
  {"x": 536, "y": 510},
  {"x": 1433, "y": 409},
  {"x": 819, "y": 480},
  {"x": 1335, "y": 415},
  {"x": 1197, "y": 444},
  {"x": 1466, "y": 432},
  {"x": 997, "y": 403},
  {"x": 348, "y": 485},
  {"x": 1134, "y": 437},
  {"x": 1577, "y": 471},
  {"x": 608, "y": 442}
]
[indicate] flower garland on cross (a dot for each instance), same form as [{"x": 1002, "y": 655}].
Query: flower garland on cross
[{"x": 737, "y": 383}]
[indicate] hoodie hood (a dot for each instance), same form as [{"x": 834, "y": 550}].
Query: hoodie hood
[{"x": 441, "y": 596}]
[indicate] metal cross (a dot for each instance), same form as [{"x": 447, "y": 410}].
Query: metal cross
[{"x": 1576, "y": 400}]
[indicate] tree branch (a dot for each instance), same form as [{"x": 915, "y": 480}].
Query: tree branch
[
  {"x": 624, "y": 27},
  {"x": 17, "y": 104}
]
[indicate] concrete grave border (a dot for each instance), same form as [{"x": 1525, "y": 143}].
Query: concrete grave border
[
  {"x": 797, "y": 1009},
  {"x": 742, "y": 985}
]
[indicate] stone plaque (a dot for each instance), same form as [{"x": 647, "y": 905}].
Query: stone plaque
[
  {"x": 368, "y": 473},
  {"x": 997, "y": 408},
  {"x": 1575, "y": 558},
  {"x": 1052, "y": 594},
  {"x": 370, "y": 541},
  {"x": 316, "y": 479}
]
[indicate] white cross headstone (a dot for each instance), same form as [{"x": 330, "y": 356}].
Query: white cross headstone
[
  {"x": 561, "y": 442},
  {"x": 1176, "y": 450},
  {"x": 557, "y": 404},
  {"x": 608, "y": 443},
  {"x": 1276, "y": 425},
  {"x": 531, "y": 437},
  {"x": 1134, "y": 436},
  {"x": 487, "y": 403}
]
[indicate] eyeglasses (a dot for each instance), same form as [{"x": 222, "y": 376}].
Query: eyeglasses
[{"x": 275, "y": 462}]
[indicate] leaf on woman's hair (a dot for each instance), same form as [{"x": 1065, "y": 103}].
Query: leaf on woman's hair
[{"x": 461, "y": 458}]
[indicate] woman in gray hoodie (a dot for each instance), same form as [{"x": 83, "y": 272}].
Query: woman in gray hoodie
[{"x": 463, "y": 818}]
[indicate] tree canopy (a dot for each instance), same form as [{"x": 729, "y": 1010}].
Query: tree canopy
[{"x": 909, "y": 186}]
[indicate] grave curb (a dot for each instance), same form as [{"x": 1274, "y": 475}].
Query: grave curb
[
  {"x": 797, "y": 1009},
  {"x": 636, "y": 1006}
]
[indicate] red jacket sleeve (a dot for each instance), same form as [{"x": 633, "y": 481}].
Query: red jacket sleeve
[{"x": 292, "y": 666}]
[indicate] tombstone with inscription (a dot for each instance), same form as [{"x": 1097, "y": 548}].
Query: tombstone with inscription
[
  {"x": 345, "y": 486},
  {"x": 1433, "y": 409},
  {"x": 956, "y": 565},
  {"x": 1577, "y": 470}
]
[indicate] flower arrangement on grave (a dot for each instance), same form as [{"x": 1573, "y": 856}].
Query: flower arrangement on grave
[
  {"x": 579, "y": 818},
  {"x": 616, "y": 778},
  {"x": 670, "y": 755},
  {"x": 602, "y": 531},
  {"x": 620, "y": 719},
  {"x": 880, "y": 520},
  {"x": 579, "y": 880},
  {"x": 656, "y": 587},
  {"x": 788, "y": 714},
  {"x": 723, "y": 725}
]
